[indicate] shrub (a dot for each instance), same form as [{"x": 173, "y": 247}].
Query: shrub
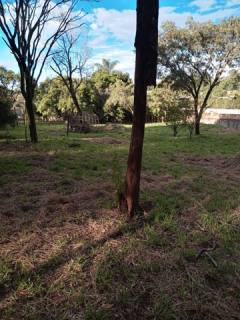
[{"x": 7, "y": 116}]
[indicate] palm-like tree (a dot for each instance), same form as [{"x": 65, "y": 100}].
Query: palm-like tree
[{"x": 107, "y": 65}]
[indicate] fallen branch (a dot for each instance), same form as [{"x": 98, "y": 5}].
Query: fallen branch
[{"x": 205, "y": 252}]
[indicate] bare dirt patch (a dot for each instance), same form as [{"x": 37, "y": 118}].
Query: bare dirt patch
[
  {"x": 41, "y": 160},
  {"x": 41, "y": 226},
  {"x": 18, "y": 148},
  {"x": 104, "y": 140},
  {"x": 36, "y": 213},
  {"x": 113, "y": 126},
  {"x": 225, "y": 166},
  {"x": 218, "y": 162},
  {"x": 35, "y": 199},
  {"x": 155, "y": 181}
]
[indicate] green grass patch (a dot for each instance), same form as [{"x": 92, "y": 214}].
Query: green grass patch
[{"x": 59, "y": 226}]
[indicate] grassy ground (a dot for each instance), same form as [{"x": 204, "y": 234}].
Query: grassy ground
[{"x": 66, "y": 253}]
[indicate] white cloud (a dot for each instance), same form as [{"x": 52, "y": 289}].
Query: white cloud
[
  {"x": 112, "y": 32},
  {"x": 113, "y": 25},
  {"x": 125, "y": 57},
  {"x": 120, "y": 24},
  {"x": 181, "y": 18},
  {"x": 204, "y": 5},
  {"x": 233, "y": 2}
]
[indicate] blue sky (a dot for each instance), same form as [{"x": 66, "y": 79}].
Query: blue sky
[{"x": 112, "y": 26}]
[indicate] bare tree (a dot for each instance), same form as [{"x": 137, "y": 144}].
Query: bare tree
[
  {"x": 31, "y": 28},
  {"x": 69, "y": 65},
  {"x": 145, "y": 75}
]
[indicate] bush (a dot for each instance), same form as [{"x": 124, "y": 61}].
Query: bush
[
  {"x": 174, "y": 106},
  {"x": 7, "y": 116}
]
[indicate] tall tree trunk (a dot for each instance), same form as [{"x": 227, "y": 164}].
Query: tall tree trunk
[
  {"x": 197, "y": 127},
  {"x": 75, "y": 101},
  {"x": 27, "y": 90},
  {"x": 68, "y": 123},
  {"x": 31, "y": 117},
  {"x": 145, "y": 75},
  {"x": 175, "y": 130},
  {"x": 197, "y": 118},
  {"x": 136, "y": 145}
]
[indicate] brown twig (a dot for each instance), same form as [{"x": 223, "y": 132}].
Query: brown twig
[{"x": 205, "y": 252}]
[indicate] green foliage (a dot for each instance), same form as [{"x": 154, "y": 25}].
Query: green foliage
[
  {"x": 8, "y": 79},
  {"x": 102, "y": 80},
  {"x": 7, "y": 116},
  {"x": 87, "y": 96},
  {"x": 119, "y": 104},
  {"x": 199, "y": 51},
  {"x": 196, "y": 56},
  {"x": 227, "y": 94},
  {"x": 106, "y": 65},
  {"x": 174, "y": 106},
  {"x": 108, "y": 95},
  {"x": 104, "y": 83},
  {"x": 8, "y": 85},
  {"x": 52, "y": 98}
]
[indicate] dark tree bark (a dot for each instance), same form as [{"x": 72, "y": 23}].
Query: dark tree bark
[
  {"x": 27, "y": 89},
  {"x": 175, "y": 130},
  {"x": 68, "y": 123},
  {"x": 197, "y": 119},
  {"x": 73, "y": 94},
  {"x": 145, "y": 74},
  {"x": 136, "y": 145},
  {"x": 31, "y": 117},
  {"x": 200, "y": 108},
  {"x": 197, "y": 127}
]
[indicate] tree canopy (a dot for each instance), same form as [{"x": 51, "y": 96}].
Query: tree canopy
[
  {"x": 197, "y": 56},
  {"x": 227, "y": 93},
  {"x": 108, "y": 95},
  {"x": 107, "y": 65},
  {"x": 8, "y": 87}
]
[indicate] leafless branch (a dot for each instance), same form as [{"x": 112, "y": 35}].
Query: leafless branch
[
  {"x": 69, "y": 65},
  {"x": 31, "y": 28}
]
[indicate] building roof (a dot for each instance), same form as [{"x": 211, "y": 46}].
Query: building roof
[{"x": 223, "y": 111}]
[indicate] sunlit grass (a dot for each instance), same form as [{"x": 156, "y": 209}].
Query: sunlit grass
[{"x": 66, "y": 252}]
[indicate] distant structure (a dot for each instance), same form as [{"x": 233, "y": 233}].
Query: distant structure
[
  {"x": 81, "y": 123},
  {"x": 229, "y": 118},
  {"x": 19, "y": 106},
  {"x": 90, "y": 118}
]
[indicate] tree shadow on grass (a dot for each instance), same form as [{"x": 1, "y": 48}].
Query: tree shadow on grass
[{"x": 86, "y": 251}]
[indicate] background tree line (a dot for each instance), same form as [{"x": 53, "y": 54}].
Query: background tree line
[
  {"x": 109, "y": 94},
  {"x": 8, "y": 93},
  {"x": 197, "y": 68}
]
